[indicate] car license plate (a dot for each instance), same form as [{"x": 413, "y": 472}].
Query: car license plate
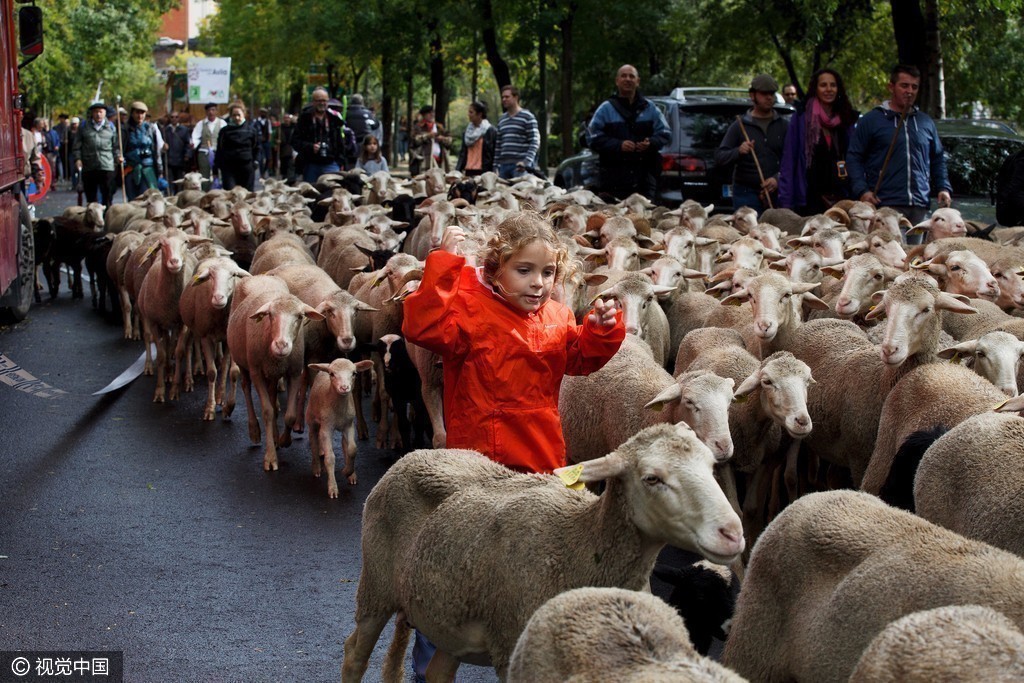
[{"x": 726, "y": 191}]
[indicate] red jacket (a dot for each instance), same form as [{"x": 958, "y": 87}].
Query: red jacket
[{"x": 502, "y": 366}]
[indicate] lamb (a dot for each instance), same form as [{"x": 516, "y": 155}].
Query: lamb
[
  {"x": 204, "y": 306},
  {"x": 265, "y": 339},
  {"x": 602, "y": 410},
  {"x": 952, "y": 643},
  {"x": 591, "y": 634},
  {"x": 434, "y": 509},
  {"x": 835, "y": 568},
  {"x": 970, "y": 480},
  {"x": 331, "y": 409},
  {"x": 402, "y": 381}
]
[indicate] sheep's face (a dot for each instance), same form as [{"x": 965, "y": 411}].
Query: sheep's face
[
  {"x": 783, "y": 383},
  {"x": 967, "y": 274},
  {"x": 888, "y": 251},
  {"x": 774, "y": 303},
  {"x": 804, "y": 265},
  {"x": 996, "y": 356},
  {"x": 667, "y": 272},
  {"x": 946, "y": 223},
  {"x": 1011, "y": 286},
  {"x": 675, "y": 499},
  {"x": 704, "y": 405},
  {"x": 863, "y": 277}
]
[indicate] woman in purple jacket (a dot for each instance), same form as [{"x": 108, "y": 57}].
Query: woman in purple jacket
[{"x": 813, "y": 174}]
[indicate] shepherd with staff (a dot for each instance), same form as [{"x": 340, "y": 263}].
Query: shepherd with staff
[
  {"x": 752, "y": 148},
  {"x": 97, "y": 154}
]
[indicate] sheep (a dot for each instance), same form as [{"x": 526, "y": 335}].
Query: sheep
[
  {"x": 1007, "y": 270},
  {"x": 827, "y": 241},
  {"x": 786, "y": 220},
  {"x": 963, "y": 272},
  {"x": 402, "y": 382},
  {"x": 265, "y": 339},
  {"x": 340, "y": 253},
  {"x": 204, "y": 306},
  {"x": 994, "y": 355},
  {"x": 889, "y": 220},
  {"x": 602, "y": 410},
  {"x": 433, "y": 509},
  {"x": 436, "y": 217},
  {"x": 834, "y": 568},
  {"x": 970, "y": 480},
  {"x": 945, "y": 222},
  {"x": 952, "y": 643},
  {"x": 610, "y": 634},
  {"x": 283, "y": 248},
  {"x": 117, "y": 262},
  {"x": 884, "y": 246},
  {"x": 330, "y": 409},
  {"x": 237, "y": 237},
  {"x": 634, "y": 295},
  {"x": 704, "y": 596},
  {"x": 158, "y": 303},
  {"x": 748, "y": 253},
  {"x": 768, "y": 235},
  {"x": 73, "y": 237}
]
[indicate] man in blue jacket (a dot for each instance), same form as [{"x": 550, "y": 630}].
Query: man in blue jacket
[
  {"x": 627, "y": 132},
  {"x": 915, "y": 165}
]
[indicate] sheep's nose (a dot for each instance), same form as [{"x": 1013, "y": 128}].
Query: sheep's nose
[{"x": 802, "y": 420}]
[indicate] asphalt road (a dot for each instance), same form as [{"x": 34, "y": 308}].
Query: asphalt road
[{"x": 133, "y": 526}]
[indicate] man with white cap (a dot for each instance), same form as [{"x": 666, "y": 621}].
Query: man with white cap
[{"x": 96, "y": 155}]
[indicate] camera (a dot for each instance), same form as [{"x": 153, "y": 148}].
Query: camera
[{"x": 324, "y": 151}]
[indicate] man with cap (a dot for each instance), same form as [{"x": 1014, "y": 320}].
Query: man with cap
[
  {"x": 204, "y": 141},
  {"x": 96, "y": 155},
  {"x": 142, "y": 147},
  {"x": 759, "y": 134}
]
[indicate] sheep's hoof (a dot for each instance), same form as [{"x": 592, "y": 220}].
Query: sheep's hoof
[
  {"x": 285, "y": 438},
  {"x": 209, "y": 414},
  {"x": 270, "y": 464},
  {"x": 332, "y": 490},
  {"x": 225, "y": 412},
  {"x": 148, "y": 371},
  {"x": 352, "y": 479},
  {"x": 158, "y": 397},
  {"x": 174, "y": 394}
]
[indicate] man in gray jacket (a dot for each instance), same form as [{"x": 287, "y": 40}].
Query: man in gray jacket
[{"x": 97, "y": 155}]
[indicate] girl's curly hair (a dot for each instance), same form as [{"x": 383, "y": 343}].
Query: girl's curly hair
[{"x": 514, "y": 233}]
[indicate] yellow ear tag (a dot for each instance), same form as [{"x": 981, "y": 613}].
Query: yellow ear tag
[
  {"x": 1001, "y": 405},
  {"x": 955, "y": 360},
  {"x": 195, "y": 279},
  {"x": 741, "y": 399},
  {"x": 570, "y": 476}
]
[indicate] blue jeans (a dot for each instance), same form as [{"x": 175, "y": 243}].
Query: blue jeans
[
  {"x": 509, "y": 171},
  {"x": 422, "y": 652},
  {"x": 914, "y": 214},
  {"x": 746, "y": 196},
  {"x": 314, "y": 171}
]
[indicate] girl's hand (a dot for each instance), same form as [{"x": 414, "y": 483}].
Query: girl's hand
[
  {"x": 453, "y": 236},
  {"x": 604, "y": 313}
]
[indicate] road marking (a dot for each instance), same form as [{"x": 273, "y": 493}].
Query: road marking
[{"x": 17, "y": 377}]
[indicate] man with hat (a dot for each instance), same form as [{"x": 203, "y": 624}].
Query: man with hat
[
  {"x": 96, "y": 155},
  {"x": 204, "y": 141},
  {"x": 753, "y": 146},
  {"x": 142, "y": 164}
]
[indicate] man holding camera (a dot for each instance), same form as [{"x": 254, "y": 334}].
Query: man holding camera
[{"x": 319, "y": 138}]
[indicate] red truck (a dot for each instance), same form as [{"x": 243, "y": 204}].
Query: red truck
[{"x": 17, "y": 255}]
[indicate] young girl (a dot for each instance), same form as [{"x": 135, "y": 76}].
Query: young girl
[
  {"x": 370, "y": 158},
  {"x": 506, "y": 345}
]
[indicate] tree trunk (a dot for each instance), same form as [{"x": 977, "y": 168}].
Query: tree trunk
[
  {"x": 498, "y": 65},
  {"x": 542, "y": 114},
  {"x": 475, "y": 85},
  {"x": 934, "y": 102},
  {"x": 437, "y": 83},
  {"x": 567, "y": 115},
  {"x": 386, "y": 111}
]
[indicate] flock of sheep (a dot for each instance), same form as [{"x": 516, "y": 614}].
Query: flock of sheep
[{"x": 771, "y": 364}]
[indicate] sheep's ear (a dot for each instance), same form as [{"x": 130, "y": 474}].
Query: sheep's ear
[
  {"x": 201, "y": 276},
  {"x": 803, "y": 287},
  {"x": 364, "y": 365},
  {"x": 670, "y": 394},
  {"x": 856, "y": 248},
  {"x": 798, "y": 242},
  {"x": 957, "y": 303},
  {"x": 321, "y": 367},
  {"x": 312, "y": 314},
  {"x": 778, "y": 265},
  {"x": 649, "y": 254},
  {"x": 748, "y": 385},
  {"x": 1013, "y": 405},
  {"x": 836, "y": 270},
  {"x": 964, "y": 348},
  {"x": 691, "y": 274},
  {"x": 608, "y": 467},
  {"x": 673, "y": 576},
  {"x": 361, "y": 306},
  {"x": 261, "y": 312},
  {"x": 811, "y": 301},
  {"x": 594, "y": 279},
  {"x": 736, "y": 299}
]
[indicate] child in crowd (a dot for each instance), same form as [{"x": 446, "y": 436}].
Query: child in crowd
[
  {"x": 370, "y": 158},
  {"x": 506, "y": 346}
]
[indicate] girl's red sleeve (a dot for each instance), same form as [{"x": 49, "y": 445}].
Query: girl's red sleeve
[
  {"x": 590, "y": 346},
  {"x": 430, "y": 316}
]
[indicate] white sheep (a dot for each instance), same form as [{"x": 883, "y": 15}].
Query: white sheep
[
  {"x": 632, "y": 391},
  {"x": 971, "y": 480},
  {"x": 994, "y": 355},
  {"x": 330, "y": 409},
  {"x": 945, "y": 222},
  {"x": 451, "y": 542},
  {"x": 609, "y": 634},
  {"x": 962, "y": 272},
  {"x": 635, "y": 295},
  {"x": 953, "y": 643},
  {"x": 835, "y": 568}
]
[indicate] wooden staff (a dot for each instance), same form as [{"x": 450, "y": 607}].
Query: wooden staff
[
  {"x": 120, "y": 147},
  {"x": 888, "y": 154},
  {"x": 757, "y": 163}
]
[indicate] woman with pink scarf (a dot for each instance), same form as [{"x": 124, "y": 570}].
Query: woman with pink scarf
[{"x": 813, "y": 173}]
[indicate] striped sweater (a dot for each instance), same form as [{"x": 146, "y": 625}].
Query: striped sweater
[{"x": 518, "y": 139}]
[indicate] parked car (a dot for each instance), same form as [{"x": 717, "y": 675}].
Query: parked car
[
  {"x": 698, "y": 119},
  {"x": 974, "y": 150}
]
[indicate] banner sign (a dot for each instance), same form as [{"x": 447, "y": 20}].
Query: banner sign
[{"x": 209, "y": 79}]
